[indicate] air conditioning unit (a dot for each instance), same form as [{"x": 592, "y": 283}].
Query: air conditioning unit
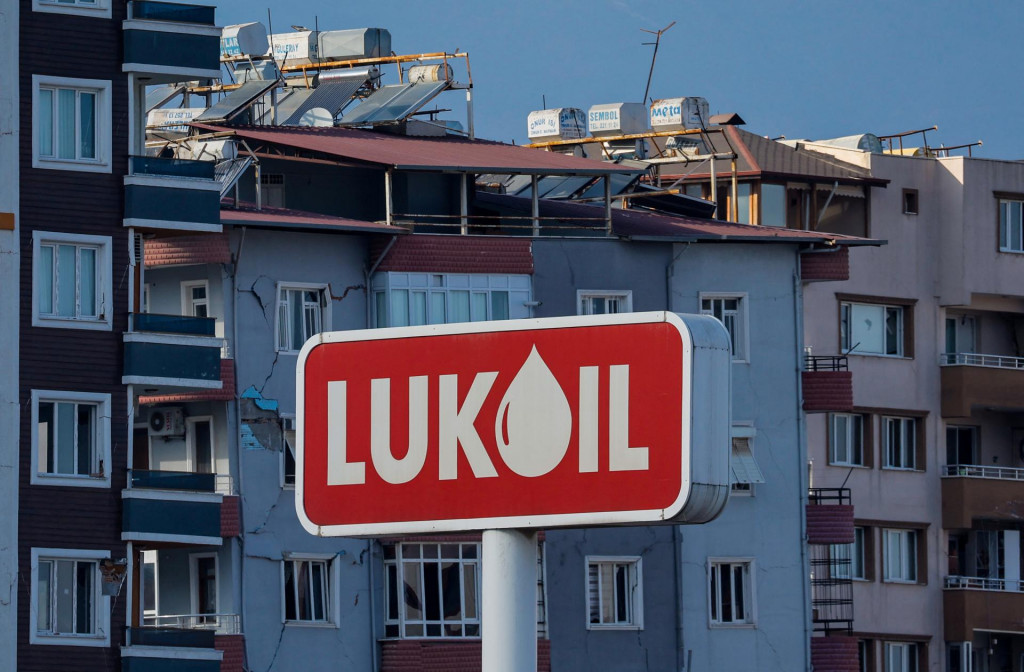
[{"x": 167, "y": 422}]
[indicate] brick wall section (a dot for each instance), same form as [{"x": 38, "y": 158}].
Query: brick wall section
[
  {"x": 834, "y": 654},
  {"x": 225, "y": 393},
  {"x": 413, "y": 655},
  {"x": 209, "y": 248},
  {"x": 828, "y": 391},
  {"x": 455, "y": 254},
  {"x": 829, "y": 524},
  {"x": 230, "y": 517},
  {"x": 233, "y": 647},
  {"x": 818, "y": 266}
]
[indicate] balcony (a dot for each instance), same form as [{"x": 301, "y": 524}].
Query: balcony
[
  {"x": 973, "y": 492},
  {"x": 973, "y": 603},
  {"x": 172, "y": 353},
  {"x": 171, "y": 194},
  {"x": 970, "y": 380},
  {"x": 171, "y": 42},
  {"x": 827, "y": 384},
  {"x": 186, "y": 642},
  {"x": 179, "y": 507},
  {"x": 829, "y": 540}
]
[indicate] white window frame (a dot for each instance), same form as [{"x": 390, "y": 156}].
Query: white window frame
[
  {"x": 440, "y": 287},
  {"x": 99, "y": 9},
  {"x": 188, "y": 304},
  {"x": 907, "y": 572},
  {"x": 634, "y": 568},
  {"x": 852, "y": 419},
  {"x": 104, "y": 288},
  {"x": 193, "y": 583},
  {"x": 285, "y": 442},
  {"x": 905, "y": 652},
  {"x": 331, "y": 597},
  {"x": 102, "y": 119},
  {"x": 1005, "y": 224},
  {"x": 585, "y": 297},
  {"x": 741, "y": 355},
  {"x": 750, "y": 603},
  {"x": 399, "y": 561},
  {"x": 858, "y": 553},
  {"x": 101, "y": 603},
  {"x": 324, "y": 308},
  {"x": 102, "y": 439},
  {"x": 151, "y": 610},
  {"x": 190, "y": 443},
  {"x": 906, "y": 429},
  {"x": 846, "y": 340}
]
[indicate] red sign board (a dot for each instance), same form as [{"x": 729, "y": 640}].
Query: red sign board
[{"x": 516, "y": 424}]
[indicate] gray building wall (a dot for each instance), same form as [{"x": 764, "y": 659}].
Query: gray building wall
[{"x": 766, "y": 527}]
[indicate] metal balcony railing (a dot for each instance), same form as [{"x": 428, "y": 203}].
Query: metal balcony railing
[
  {"x": 978, "y": 471},
  {"x": 826, "y": 363},
  {"x": 976, "y": 359},
  {"x": 151, "y": 10},
  {"x": 828, "y": 496},
  {"x": 831, "y": 587},
  {"x": 181, "y": 480},
  {"x": 982, "y": 583},
  {"x": 156, "y": 166},
  {"x": 184, "y": 325},
  {"x": 222, "y": 624}
]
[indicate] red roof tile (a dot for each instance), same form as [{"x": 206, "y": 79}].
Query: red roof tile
[
  {"x": 456, "y": 254},
  {"x": 208, "y": 248},
  {"x": 418, "y": 153},
  {"x": 225, "y": 393}
]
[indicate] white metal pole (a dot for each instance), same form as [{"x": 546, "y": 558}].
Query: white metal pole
[
  {"x": 509, "y": 601},
  {"x": 387, "y": 198},
  {"x": 534, "y": 205},
  {"x": 463, "y": 204}
]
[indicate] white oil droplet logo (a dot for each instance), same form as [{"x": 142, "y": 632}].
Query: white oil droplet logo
[{"x": 534, "y": 421}]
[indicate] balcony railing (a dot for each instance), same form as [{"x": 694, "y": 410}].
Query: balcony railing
[
  {"x": 183, "y": 325},
  {"x": 181, "y": 480},
  {"x": 165, "y": 167},
  {"x": 222, "y": 624},
  {"x": 151, "y": 10},
  {"x": 975, "y": 359},
  {"x": 978, "y": 471},
  {"x": 828, "y": 496},
  {"x": 982, "y": 583},
  {"x": 826, "y": 363}
]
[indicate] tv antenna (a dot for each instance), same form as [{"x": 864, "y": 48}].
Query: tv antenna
[{"x": 657, "y": 41}]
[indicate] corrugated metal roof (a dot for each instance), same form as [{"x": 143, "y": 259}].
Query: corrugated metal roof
[
  {"x": 225, "y": 393},
  {"x": 642, "y": 224},
  {"x": 449, "y": 153},
  {"x": 248, "y": 215},
  {"x": 209, "y": 248},
  {"x": 455, "y": 254}
]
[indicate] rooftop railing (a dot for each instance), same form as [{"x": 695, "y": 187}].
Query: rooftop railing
[
  {"x": 979, "y": 471},
  {"x": 976, "y": 359},
  {"x": 152, "y": 10},
  {"x": 982, "y": 583},
  {"x": 156, "y": 166}
]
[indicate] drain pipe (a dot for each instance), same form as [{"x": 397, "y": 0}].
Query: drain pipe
[
  {"x": 238, "y": 431},
  {"x": 804, "y": 476},
  {"x": 373, "y": 602}
]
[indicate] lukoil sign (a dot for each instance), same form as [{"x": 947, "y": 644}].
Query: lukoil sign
[{"x": 521, "y": 423}]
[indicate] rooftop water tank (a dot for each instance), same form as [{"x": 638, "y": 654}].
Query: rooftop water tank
[
  {"x": 617, "y": 119},
  {"x": 679, "y": 114},
  {"x": 346, "y": 45},
  {"x": 561, "y": 123},
  {"x": 867, "y": 142},
  {"x": 243, "y": 40}
]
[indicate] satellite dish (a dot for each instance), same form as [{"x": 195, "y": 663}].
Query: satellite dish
[{"x": 317, "y": 116}]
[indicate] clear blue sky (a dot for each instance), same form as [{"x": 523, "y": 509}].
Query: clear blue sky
[{"x": 815, "y": 69}]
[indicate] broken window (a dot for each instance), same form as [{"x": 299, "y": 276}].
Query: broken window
[
  {"x": 432, "y": 590},
  {"x": 307, "y": 591}
]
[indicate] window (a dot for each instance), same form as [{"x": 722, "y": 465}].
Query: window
[
  {"x": 301, "y": 313},
  {"x": 204, "y": 599},
  {"x": 272, "y": 189},
  {"x": 70, "y": 438},
  {"x": 910, "y": 202},
  {"x": 72, "y": 281},
  {"x": 961, "y": 338},
  {"x": 71, "y": 124},
  {"x": 899, "y": 443},
  {"x": 288, "y": 459},
  {"x": 871, "y": 329},
  {"x": 98, "y": 8},
  {"x": 961, "y": 445},
  {"x": 744, "y": 468},
  {"x": 858, "y": 554},
  {"x": 309, "y": 585},
  {"x": 199, "y": 445},
  {"x": 150, "y": 584},
  {"x": 900, "y": 552},
  {"x": 1011, "y": 226},
  {"x": 731, "y": 594},
  {"x": 614, "y": 593},
  {"x": 67, "y": 607},
  {"x": 590, "y": 302},
  {"x": 412, "y": 299},
  {"x": 865, "y": 655},
  {"x": 846, "y": 439},
  {"x": 432, "y": 590},
  {"x": 773, "y": 204},
  {"x": 840, "y": 561},
  {"x": 195, "y": 299},
  {"x": 901, "y": 657},
  {"x": 730, "y": 310}
]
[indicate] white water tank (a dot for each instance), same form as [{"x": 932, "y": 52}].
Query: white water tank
[
  {"x": 299, "y": 48},
  {"x": 679, "y": 114},
  {"x": 560, "y": 123},
  {"x": 617, "y": 119},
  {"x": 345, "y": 45},
  {"x": 243, "y": 40}
]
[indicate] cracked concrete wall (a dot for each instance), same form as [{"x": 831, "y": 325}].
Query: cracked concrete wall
[
  {"x": 765, "y": 527},
  {"x": 271, "y": 529},
  {"x": 9, "y": 325}
]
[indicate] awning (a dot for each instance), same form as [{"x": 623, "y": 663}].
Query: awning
[{"x": 744, "y": 466}]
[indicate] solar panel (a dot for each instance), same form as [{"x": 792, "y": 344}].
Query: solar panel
[
  {"x": 333, "y": 96},
  {"x": 393, "y": 103},
  {"x": 236, "y": 101},
  {"x": 157, "y": 96}
]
